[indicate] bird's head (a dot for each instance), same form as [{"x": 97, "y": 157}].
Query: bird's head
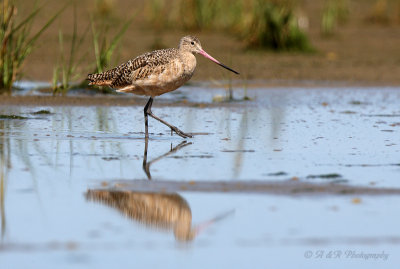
[{"x": 192, "y": 44}]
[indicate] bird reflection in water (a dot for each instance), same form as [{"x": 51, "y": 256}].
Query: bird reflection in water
[
  {"x": 168, "y": 211},
  {"x": 146, "y": 164}
]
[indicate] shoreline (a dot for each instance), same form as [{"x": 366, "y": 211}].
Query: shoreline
[{"x": 78, "y": 97}]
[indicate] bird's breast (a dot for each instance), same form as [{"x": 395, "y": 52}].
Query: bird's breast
[{"x": 189, "y": 63}]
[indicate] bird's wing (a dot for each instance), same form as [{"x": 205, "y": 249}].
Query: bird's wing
[{"x": 142, "y": 67}]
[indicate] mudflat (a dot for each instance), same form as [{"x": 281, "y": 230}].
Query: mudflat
[{"x": 359, "y": 53}]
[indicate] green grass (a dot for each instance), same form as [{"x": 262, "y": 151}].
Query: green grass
[
  {"x": 335, "y": 12},
  {"x": 67, "y": 68},
  {"x": 18, "y": 41},
  {"x": 274, "y": 26},
  {"x": 262, "y": 24},
  {"x": 104, "y": 47},
  {"x": 193, "y": 15},
  {"x": 198, "y": 14}
]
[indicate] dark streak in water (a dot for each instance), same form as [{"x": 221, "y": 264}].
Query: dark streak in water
[
  {"x": 288, "y": 187},
  {"x": 380, "y": 115},
  {"x": 363, "y": 165},
  {"x": 12, "y": 117},
  {"x": 192, "y": 156},
  {"x": 277, "y": 174},
  {"x": 348, "y": 112},
  {"x": 41, "y": 112},
  {"x": 325, "y": 176},
  {"x": 239, "y": 150}
]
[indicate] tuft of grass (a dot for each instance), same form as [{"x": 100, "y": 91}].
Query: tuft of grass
[
  {"x": 103, "y": 47},
  {"x": 67, "y": 67},
  {"x": 194, "y": 15},
  {"x": 270, "y": 24},
  {"x": 18, "y": 41},
  {"x": 197, "y": 14},
  {"x": 274, "y": 26},
  {"x": 335, "y": 12}
]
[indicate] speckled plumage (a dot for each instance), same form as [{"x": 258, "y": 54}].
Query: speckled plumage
[
  {"x": 152, "y": 73},
  {"x": 155, "y": 73}
]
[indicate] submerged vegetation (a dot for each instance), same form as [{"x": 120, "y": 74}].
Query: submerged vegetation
[{"x": 17, "y": 40}]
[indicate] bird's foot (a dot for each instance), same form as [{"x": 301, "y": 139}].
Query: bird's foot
[{"x": 181, "y": 133}]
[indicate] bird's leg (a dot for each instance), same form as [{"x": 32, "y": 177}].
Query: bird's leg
[
  {"x": 175, "y": 129},
  {"x": 147, "y": 111},
  {"x": 146, "y": 122},
  {"x": 146, "y": 166}
]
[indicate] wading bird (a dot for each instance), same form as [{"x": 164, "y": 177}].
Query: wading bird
[{"x": 155, "y": 73}]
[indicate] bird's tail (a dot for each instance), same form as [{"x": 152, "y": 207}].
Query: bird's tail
[{"x": 102, "y": 79}]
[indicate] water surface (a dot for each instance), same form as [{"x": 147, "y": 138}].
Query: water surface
[{"x": 75, "y": 192}]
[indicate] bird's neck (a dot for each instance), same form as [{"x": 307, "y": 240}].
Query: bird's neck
[{"x": 189, "y": 62}]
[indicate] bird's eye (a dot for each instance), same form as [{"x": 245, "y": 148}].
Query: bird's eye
[{"x": 192, "y": 42}]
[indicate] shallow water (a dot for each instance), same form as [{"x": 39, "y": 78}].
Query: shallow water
[{"x": 76, "y": 191}]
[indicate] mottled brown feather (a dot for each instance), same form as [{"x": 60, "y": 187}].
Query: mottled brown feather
[
  {"x": 139, "y": 68},
  {"x": 153, "y": 73}
]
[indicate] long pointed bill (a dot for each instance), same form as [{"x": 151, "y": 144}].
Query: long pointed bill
[
  {"x": 202, "y": 226},
  {"x": 205, "y": 54}
]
